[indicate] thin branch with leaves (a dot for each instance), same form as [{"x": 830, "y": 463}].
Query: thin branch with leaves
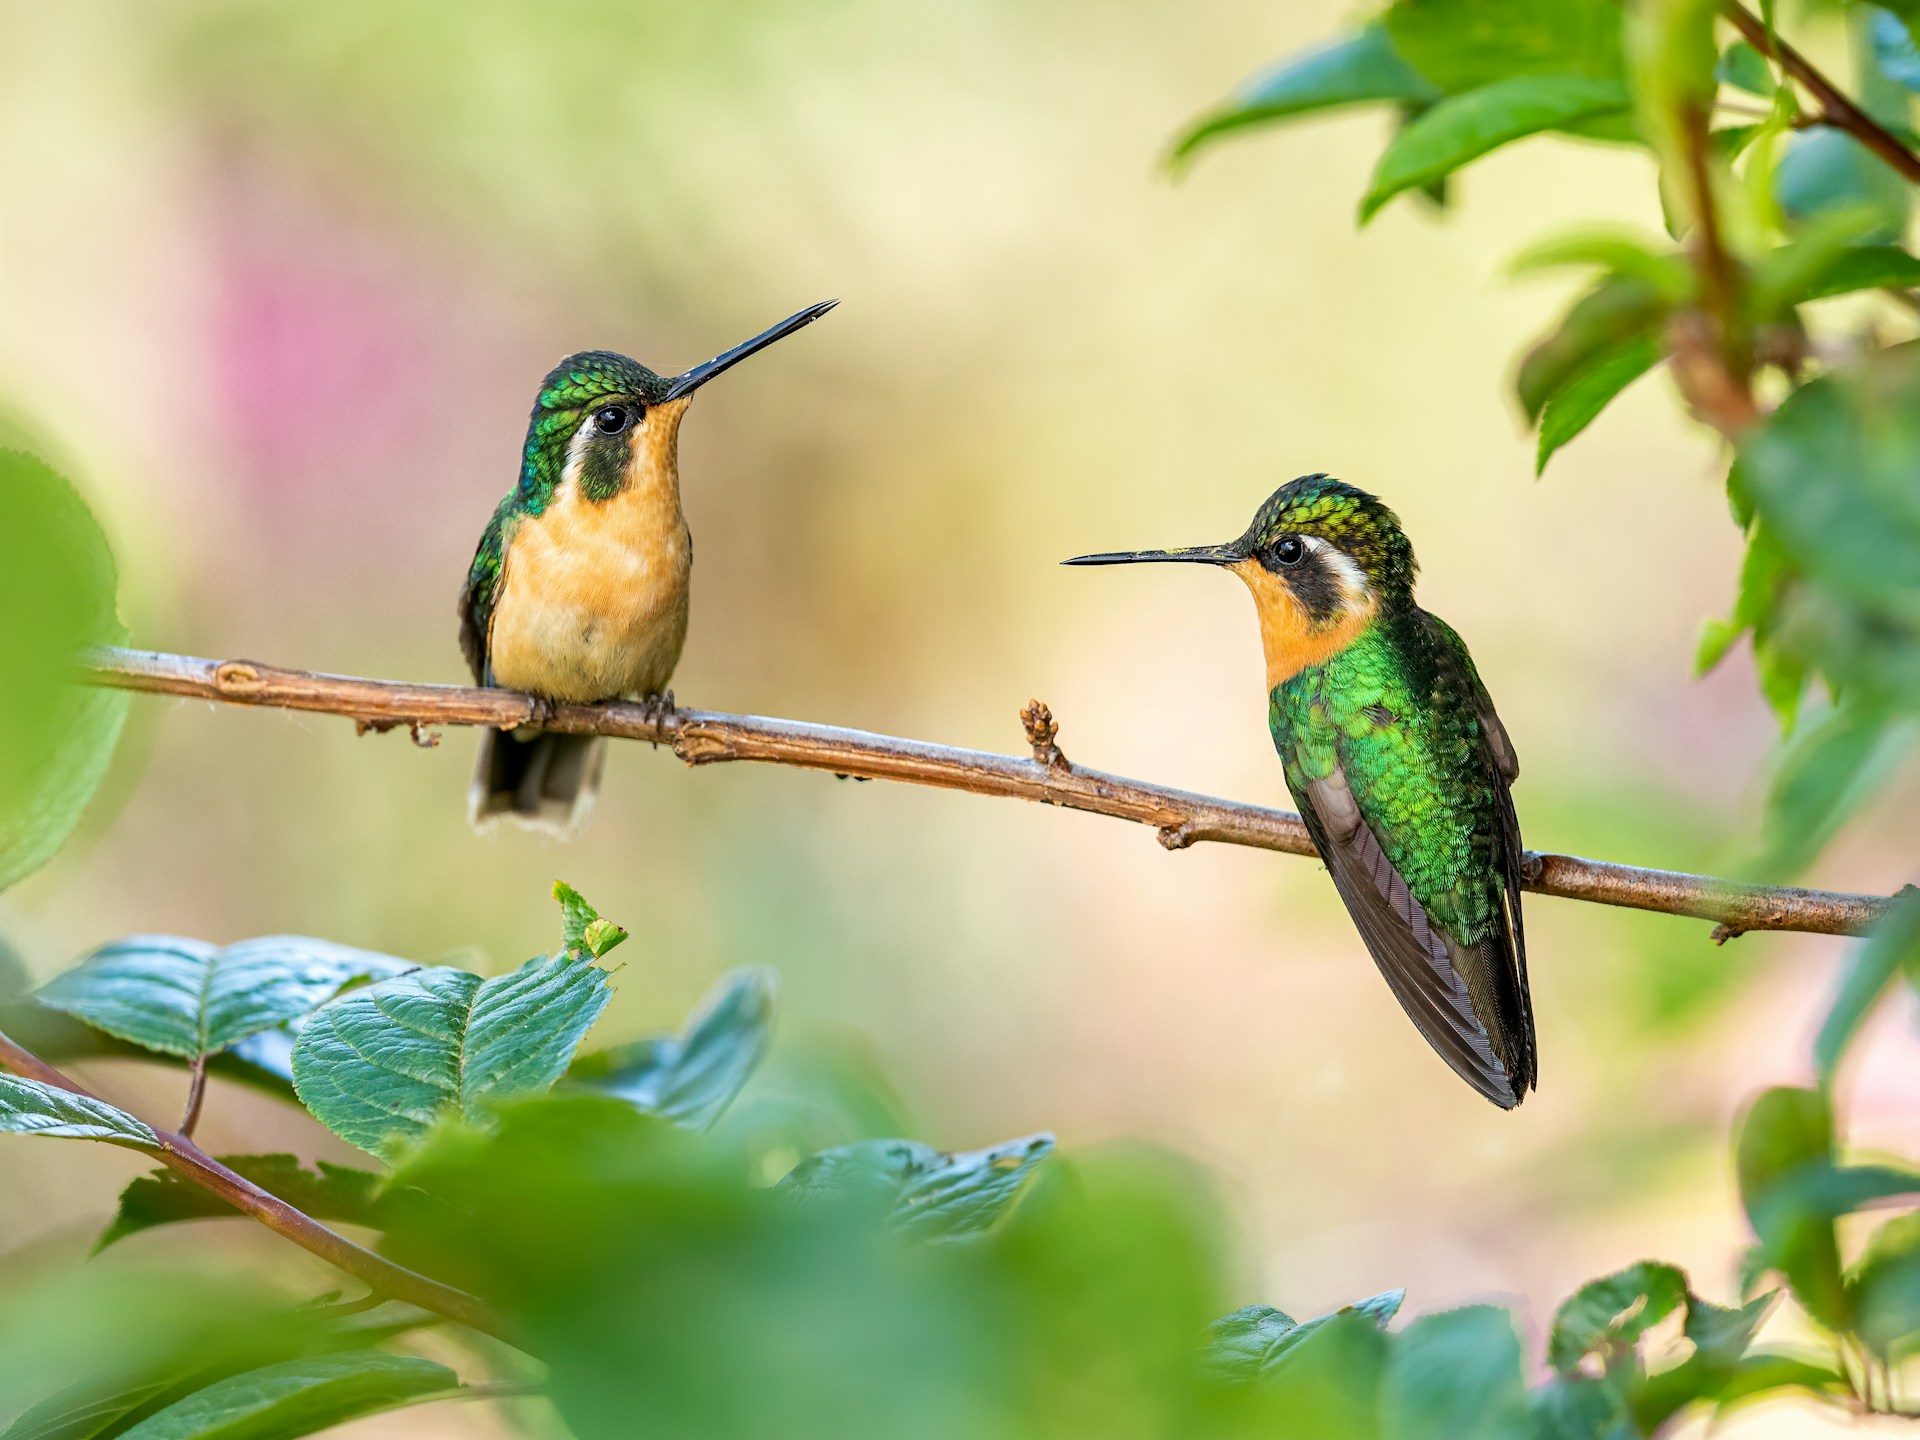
[{"x": 181, "y": 1155}]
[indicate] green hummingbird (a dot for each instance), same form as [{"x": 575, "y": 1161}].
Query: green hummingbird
[
  {"x": 1399, "y": 765},
  {"x": 578, "y": 591}
]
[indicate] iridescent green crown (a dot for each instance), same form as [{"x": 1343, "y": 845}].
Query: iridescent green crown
[
  {"x": 572, "y": 387},
  {"x": 579, "y": 380},
  {"x": 1350, "y": 518}
]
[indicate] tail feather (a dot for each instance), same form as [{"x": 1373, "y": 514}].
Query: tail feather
[{"x": 542, "y": 781}]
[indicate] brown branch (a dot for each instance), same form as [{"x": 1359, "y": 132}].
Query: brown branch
[
  {"x": 383, "y": 1276},
  {"x": 703, "y": 737},
  {"x": 1836, "y": 109}
]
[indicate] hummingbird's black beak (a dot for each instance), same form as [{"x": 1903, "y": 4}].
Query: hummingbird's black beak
[
  {"x": 1190, "y": 555},
  {"x": 699, "y": 375}
]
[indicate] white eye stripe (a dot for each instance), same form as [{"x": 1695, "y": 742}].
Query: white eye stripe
[
  {"x": 1346, "y": 570},
  {"x": 577, "y": 451}
]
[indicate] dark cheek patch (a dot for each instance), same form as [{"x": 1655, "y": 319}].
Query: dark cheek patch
[
  {"x": 603, "y": 466},
  {"x": 1317, "y": 589}
]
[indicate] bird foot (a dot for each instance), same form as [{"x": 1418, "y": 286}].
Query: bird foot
[{"x": 659, "y": 709}]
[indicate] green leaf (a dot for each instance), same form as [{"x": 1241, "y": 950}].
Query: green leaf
[
  {"x": 59, "y": 1038},
  {"x": 1830, "y": 473},
  {"x": 1329, "y": 1385},
  {"x": 1578, "y": 403},
  {"x": 1783, "y": 683},
  {"x": 336, "y": 1193},
  {"x": 1620, "y": 252},
  {"x": 1894, "y": 49},
  {"x": 1717, "y": 638},
  {"x": 922, "y": 1192},
  {"x": 1788, "y": 274},
  {"x": 1581, "y": 1407},
  {"x": 298, "y": 1397},
  {"x": 1766, "y": 1373},
  {"x": 27, "y": 1107},
  {"x": 1614, "y": 127},
  {"x": 581, "y": 928},
  {"x": 1865, "y": 267},
  {"x": 1745, "y": 68},
  {"x": 1254, "y": 1341},
  {"x": 1455, "y": 1376},
  {"x": 1673, "y": 55},
  {"x": 185, "y": 997},
  {"x": 192, "y": 1340},
  {"x": 1867, "y": 975},
  {"x": 1722, "y": 1333},
  {"x": 1720, "y": 1337},
  {"x": 380, "y": 1066},
  {"x": 1615, "y": 311},
  {"x": 1245, "y": 1344},
  {"x": 1824, "y": 773},
  {"x": 1885, "y": 1286},
  {"x": 57, "y": 588},
  {"x": 1613, "y": 1312},
  {"x": 89, "y": 1409},
  {"x": 1828, "y": 1191},
  {"x": 1359, "y": 69},
  {"x": 1786, "y": 1137},
  {"x": 692, "y": 1077},
  {"x": 1463, "y": 44},
  {"x": 1825, "y": 169},
  {"x": 1464, "y": 127},
  {"x": 1729, "y": 142},
  {"x": 1764, "y": 572}
]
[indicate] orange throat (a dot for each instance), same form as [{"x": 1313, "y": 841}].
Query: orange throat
[
  {"x": 593, "y": 595},
  {"x": 1289, "y": 637}
]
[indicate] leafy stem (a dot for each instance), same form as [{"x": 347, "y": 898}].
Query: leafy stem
[
  {"x": 196, "y": 1093},
  {"x": 1713, "y": 363},
  {"x": 1835, "y": 108},
  {"x": 384, "y": 1277}
]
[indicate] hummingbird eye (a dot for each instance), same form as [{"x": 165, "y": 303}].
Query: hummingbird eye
[
  {"x": 1287, "y": 550},
  {"x": 612, "y": 419}
]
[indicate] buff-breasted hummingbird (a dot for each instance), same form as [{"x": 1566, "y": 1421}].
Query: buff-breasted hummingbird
[
  {"x": 578, "y": 591},
  {"x": 1399, "y": 765}
]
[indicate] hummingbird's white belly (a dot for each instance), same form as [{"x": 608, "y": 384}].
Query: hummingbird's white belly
[{"x": 593, "y": 597}]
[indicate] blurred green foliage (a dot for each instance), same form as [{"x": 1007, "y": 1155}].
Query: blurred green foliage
[
  {"x": 57, "y": 592},
  {"x": 880, "y": 1287}
]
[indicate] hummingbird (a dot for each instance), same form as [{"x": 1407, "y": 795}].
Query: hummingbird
[
  {"x": 1398, "y": 763},
  {"x": 578, "y": 590}
]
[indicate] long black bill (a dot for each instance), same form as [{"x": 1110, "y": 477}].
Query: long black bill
[
  {"x": 699, "y": 375},
  {"x": 1190, "y": 555}
]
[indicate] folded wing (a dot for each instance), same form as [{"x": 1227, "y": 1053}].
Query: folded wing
[{"x": 1433, "y": 978}]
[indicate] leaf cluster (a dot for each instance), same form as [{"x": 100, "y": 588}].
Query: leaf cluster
[{"x": 630, "y": 1236}]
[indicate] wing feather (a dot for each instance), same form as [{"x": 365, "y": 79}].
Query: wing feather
[
  {"x": 477, "y": 596},
  {"x": 1514, "y": 996},
  {"x": 1418, "y": 962}
]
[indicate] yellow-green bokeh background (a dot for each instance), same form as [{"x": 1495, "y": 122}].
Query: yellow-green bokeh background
[{"x": 277, "y": 282}]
